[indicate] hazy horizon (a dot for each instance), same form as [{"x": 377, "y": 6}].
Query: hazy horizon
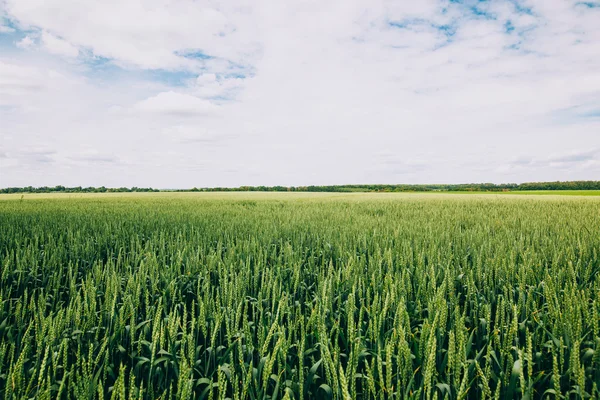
[{"x": 183, "y": 94}]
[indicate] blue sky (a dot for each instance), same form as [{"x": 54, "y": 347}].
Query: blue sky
[{"x": 189, "y": 93}]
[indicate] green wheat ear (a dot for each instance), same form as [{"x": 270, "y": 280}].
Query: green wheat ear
[{"x": 432, "y": 297}]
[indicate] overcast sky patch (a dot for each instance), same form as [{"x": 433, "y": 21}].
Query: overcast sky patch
[{"x": 238, "y": 93}]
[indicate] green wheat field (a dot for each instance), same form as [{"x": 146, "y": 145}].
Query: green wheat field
[{"x": 299, "y": 296}]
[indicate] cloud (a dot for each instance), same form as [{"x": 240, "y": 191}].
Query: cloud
[
  {"x": 573, "y": 160},
  {"x": 192, "y": 134},
  {"x": 39, "y": 156},
  {"x": 178, "y": 104},
  {"x": 586, "y": 108},
  {"x": 575, "y": 157},
  {"x": 33, "y": 157},
  {"x": 58, "y": 46},
  {"x": 210, "y": 85},
  {"x": 134, "y": 34},
  {"x": 393, "y": 164},
  {"x": 47, "y": 42},
  {"x": 26, "y": 87},
  {"x": 93, "y": 157},
  {"x": 26, "y": 43},
  {"x": 17, "y": 77}
]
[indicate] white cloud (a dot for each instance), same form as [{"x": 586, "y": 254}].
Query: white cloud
[
  {"x": 58, "y": 46},
  {"x": 26, "y": 43},
  {"x": 190, "y": 134},
  {"x": 569, "y": 162},
  {"x": 26, "y": 87},
  {"x": 48, "y": 42},
  {"x": 142, "y": 34},
  {"x": 178, "y": 104},
  {"x": 305, "y": 92},
  {"x": 210, "y": 86}
]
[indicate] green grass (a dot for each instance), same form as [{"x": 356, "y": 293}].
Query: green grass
[
  {"x": 287, "y": 195},
  {"x": 560, "y": 192},
  {"x": 532, "y": 192},
  {"x": 304, "y": 295}
]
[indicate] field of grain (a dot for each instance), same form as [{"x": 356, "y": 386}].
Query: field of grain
[{"x": 299, "y": 296}]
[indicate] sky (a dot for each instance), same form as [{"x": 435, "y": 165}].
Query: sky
[{"x": 194, "y": 93}]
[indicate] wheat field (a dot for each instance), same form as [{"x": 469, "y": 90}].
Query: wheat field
[{"x": 299, "y": 296}]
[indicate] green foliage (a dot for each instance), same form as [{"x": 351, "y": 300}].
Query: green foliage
[
  {"x": 198, "y": 297},
  {"x": 77, "y": 189},
  {"x": 470, "y": 187}
]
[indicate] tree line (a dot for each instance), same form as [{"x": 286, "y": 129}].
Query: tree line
[
  {"x": 76, "y": 189},
  {"x": 470, "y": 187}
]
